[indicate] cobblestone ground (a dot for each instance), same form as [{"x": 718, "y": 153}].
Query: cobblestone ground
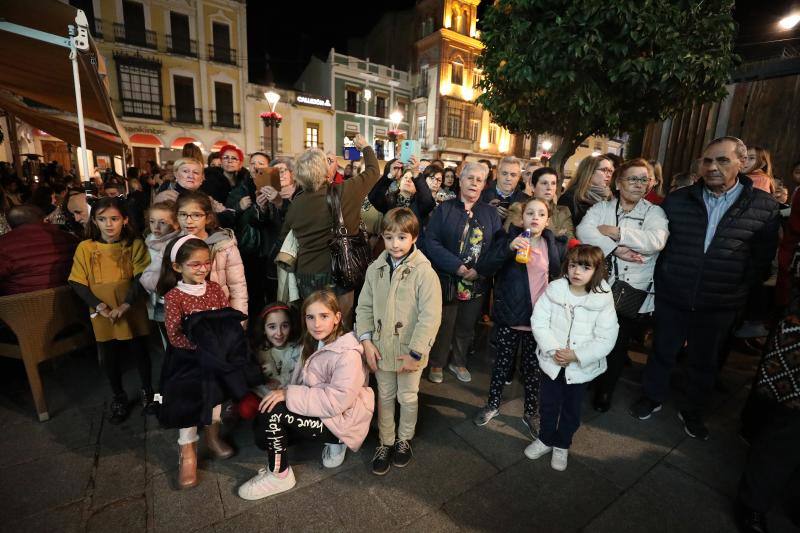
[{"x": 78, "y": 473}]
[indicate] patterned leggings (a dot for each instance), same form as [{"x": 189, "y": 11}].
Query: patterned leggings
[
  {"x": 273, "y": 430},
  {"x": 507, "y": 340}
]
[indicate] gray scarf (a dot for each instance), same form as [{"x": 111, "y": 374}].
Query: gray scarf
[{"x": 597, "y": 193}]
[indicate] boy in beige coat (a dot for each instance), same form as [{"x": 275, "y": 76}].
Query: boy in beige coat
[{"x": 398, "y": 315}]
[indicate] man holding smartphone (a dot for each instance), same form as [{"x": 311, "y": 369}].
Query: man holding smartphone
[{"x": 503, "y": 192}]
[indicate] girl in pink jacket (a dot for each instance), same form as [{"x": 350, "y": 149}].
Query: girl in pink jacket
[{"x": 328, "y": 399}]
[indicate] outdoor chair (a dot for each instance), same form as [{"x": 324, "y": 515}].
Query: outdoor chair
[{"x": 47, "y": 324}]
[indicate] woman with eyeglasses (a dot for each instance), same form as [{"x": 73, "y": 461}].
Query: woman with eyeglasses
[
  {"x": 588, "y": 187},
  {"x": 631, "y": 231},
  {"x": 221, "y": 180}
]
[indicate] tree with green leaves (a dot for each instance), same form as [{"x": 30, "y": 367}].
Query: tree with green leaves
[{"x": 584, "y": 67}]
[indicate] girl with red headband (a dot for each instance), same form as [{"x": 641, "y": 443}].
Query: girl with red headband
[{"x": 274, "y": 340}]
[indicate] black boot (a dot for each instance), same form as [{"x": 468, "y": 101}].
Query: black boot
[
  {"x": 750, "y": 521},
  {"x": 602, "y": 401},
  {"x": 118, "y": 410}
]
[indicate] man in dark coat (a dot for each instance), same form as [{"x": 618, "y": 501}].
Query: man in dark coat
[
  {"x": 34, "y": 255},
  {"x": 503, "y": 192},
  {"x": 723, "y": 234}
]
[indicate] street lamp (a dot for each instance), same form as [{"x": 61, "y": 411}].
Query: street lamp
[
  {"x": 367, "y": 98},
  {"x": 790, "y": 21},
  {"x": 395, "y": 119},
  {"x": 546, "y": 145},
  {"x": 272, "y": 119}
]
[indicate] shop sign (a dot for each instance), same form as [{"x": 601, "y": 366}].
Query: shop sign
[
  {"x": 313, "y": 101},
  {"x": 143, "y": 129}
]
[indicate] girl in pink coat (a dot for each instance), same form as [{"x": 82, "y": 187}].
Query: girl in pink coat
[{"x": 328, "y": 399}]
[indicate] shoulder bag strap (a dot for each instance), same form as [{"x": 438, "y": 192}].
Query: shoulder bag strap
[{"x": 334, "y": 204}]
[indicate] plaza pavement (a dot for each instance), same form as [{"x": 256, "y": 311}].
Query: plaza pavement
[{"x": 76, "y": 472}]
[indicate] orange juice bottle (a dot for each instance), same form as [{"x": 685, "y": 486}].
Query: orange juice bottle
[{"x": 523, "y": 254}]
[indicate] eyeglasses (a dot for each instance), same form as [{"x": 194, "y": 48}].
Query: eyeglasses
[
  {"x": 331, "y": 161},
  {"x": 437, "y": 180},
  {"x": 197, "y": 265},
  {"x": 230, "y": 158},
  {"x": 641, "y": 180},
  {"x": 606, "y": 170},
  {"x": 194, "y": 217}
]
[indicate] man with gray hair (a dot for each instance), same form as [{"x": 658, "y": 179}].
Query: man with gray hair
[
  {"x": 503, "y": 191},
  {"x": 723, "y": 234}
]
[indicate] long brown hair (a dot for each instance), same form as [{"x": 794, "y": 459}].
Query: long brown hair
[
  {"x": 583, "y": 176},
  {"x": 327, "y": 298},
  {"x": 128, "y": 234},
  {"x": 168, "y": 278}
]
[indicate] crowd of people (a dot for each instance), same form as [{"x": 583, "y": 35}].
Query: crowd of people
[{"x": 242, "y": 282}]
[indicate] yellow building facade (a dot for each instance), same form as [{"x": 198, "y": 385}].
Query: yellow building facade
[{"x": 177, "y": 73}]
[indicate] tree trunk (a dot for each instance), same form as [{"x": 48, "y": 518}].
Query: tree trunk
[{"x": 569, "y": 144}]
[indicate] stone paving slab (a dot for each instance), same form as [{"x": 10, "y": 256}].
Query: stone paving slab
[
  {"x": 531, "y": 496},
  {"x": 666, "y": 500},
  {"x": 52, "y": 481}
]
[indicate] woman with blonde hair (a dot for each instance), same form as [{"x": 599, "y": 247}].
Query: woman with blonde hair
[
  {"x": 588, "y": 187},
  {"x": 311, "y": 221},
  {"x": 758, "y": 167}
]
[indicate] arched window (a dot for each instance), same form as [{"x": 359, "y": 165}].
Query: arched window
[{"x": 457, "y": 71}]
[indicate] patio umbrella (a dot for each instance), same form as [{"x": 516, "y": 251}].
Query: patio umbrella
[{"x": 51, "y": 61}]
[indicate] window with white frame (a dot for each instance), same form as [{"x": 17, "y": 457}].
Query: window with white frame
[
  {"x": 422, "y": 128},
  {"x": 493, "y": 134},
  {"x": 474, "y": 129},
  {"x": 312, "y": 135}
]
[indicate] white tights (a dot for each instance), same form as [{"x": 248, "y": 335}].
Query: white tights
[{"x": 189, "y": 435}]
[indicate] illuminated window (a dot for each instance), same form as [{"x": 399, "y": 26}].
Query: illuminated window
[
  {"x": 493, "y": 134},
  {"x": 312, "y": 135},
  {"x": 457, "y": 73}
]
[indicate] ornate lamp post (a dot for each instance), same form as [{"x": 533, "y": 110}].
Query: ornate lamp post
[
  {"x": 272, "y": 119},
  {"x": 395, "y": 119}
]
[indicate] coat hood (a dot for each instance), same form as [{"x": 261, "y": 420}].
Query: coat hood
[
  {"x": 558, "y": 292},
  {"x": 159, "y": 243},
  {"x": 221, "y": 239},
  {"x": 346, "y": 342}
]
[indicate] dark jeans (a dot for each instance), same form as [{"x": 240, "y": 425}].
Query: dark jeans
[
  {"x": 457, "y": 331},
  {"x": 773, "y": 458},
  {"x": 507, "y": 340},
  {"x": 274, "y": 429},
  {"x": 606, "y": 382},
  {"x": 704, "y": 333},
  {"x": 111, "y": 354},
  {"x": 560, "y": 410}
]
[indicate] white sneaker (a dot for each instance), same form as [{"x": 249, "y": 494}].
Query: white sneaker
[
  {"x": 333, "y": 455},
  {"x": 536, "y": 449},
  {"x": 559, "y": 459},
  {"x": 265, "y": 483}
]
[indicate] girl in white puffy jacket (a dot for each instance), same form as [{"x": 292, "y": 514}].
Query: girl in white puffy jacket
[{"x": 575, "y": 326}]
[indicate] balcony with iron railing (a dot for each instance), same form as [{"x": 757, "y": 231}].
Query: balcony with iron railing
[
  {"x": 139, "y": 109},
  {"x": 185, "y": 115},
  {"x": 222, "y": 54},
  {"x": 420, "y": 91},
  {"x": 184, "y": 47},
  {"x": 225, "y": 119},
  {"x": 135, "y": 36}
]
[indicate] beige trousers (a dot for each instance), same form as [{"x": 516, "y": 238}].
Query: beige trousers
[{"x": 403, "y": 387}]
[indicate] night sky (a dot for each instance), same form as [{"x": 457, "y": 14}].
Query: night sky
[{"x": 290, "y": 31}]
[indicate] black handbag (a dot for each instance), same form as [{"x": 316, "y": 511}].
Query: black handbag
[
  {"x": 627, "y": 299},
  {"x": 350, "y": 254}
]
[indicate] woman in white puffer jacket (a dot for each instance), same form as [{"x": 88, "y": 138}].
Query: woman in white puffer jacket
[
  {"x": 575, "y": 326},
  {"x": 631, "y": 231}
]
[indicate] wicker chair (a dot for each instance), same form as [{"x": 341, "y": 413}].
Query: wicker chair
[{"x": 39, "y": 320}]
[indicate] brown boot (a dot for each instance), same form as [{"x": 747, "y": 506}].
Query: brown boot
[
  {"x": 218, "y": 447},
  {"x": 187, "y": 466}
]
